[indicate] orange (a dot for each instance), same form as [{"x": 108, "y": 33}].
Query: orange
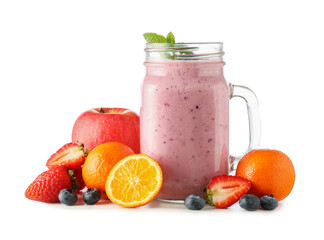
[
  {"x": 269, "y": 171},
  {"x": 134, "y": 181},
  {"x": 100, "y": 161}
]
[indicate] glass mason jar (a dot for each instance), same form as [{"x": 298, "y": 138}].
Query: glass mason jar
[{"x": 184, "y": 116}]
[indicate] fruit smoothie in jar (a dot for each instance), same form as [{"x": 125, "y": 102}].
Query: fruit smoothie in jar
[
  {"x": 184, "y": 116},
  {"x": 184, "y": 123}
]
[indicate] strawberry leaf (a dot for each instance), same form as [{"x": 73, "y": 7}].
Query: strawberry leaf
[{"x": 74, "y": 182}]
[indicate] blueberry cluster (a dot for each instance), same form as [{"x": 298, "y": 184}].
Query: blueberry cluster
[
  {"x": 69, "y": 197},
  {"x": 251, "y": 202},
  {"x": 248, "y": 202}
]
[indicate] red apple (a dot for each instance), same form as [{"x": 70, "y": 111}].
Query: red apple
[{"x": 101, "y": 125}]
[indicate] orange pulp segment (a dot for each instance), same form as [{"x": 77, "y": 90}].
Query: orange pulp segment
[{"x": 134, "y": 181}]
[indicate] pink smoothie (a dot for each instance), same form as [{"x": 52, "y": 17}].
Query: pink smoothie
[{"x": 184, "y": 123}]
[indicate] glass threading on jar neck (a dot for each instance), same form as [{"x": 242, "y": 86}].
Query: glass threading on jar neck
[{"x": 157, "y": 52}]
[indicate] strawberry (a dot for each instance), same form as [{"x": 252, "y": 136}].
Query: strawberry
[
  {"x": 223, "y": 191},
  {"x": 70, "y": 156},
  {"x": 47, "y": 186},
  {"x": 77, "y": 182}
]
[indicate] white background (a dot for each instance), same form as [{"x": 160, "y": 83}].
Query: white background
[{"x": 60, "y": 58}]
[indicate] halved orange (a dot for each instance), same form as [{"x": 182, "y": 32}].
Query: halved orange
[{"x": 134, "y": 181}]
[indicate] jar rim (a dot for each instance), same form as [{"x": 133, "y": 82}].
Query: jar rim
[
  {"x": 182, "y": 45},
  {"x": 184, "y": 51},
  {"x": 188, "y": 43}
]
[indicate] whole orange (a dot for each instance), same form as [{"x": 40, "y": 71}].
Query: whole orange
[
  {"x": 270, "y": 172},
  {"x": 100, "y": 161}
]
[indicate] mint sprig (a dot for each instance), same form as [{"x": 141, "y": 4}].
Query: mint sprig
[{"x": 151, "y": 37}]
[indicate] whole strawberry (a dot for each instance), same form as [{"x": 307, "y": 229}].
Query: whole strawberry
[{"x": 47, "y": 186}]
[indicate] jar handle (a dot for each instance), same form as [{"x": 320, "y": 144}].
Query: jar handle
[{"x": 254, "y": 121}]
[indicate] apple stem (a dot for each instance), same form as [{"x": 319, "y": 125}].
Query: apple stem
[{"x": 101, "y": 110}]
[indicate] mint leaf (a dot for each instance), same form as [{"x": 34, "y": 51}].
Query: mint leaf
[
  {"x": 170, "y": 38},
  {"x": 154, "y": 38},
  {"x": 165, "y": 52},
  {"x": 186, "y": 52}
]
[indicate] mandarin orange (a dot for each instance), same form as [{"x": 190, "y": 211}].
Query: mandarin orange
[
  {"x": 269, "y": 171},
  {"x": 100, "y": 161}
]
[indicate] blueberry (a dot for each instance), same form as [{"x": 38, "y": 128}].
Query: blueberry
[
  {"x": 249, "y": 202},
  {"x": 91, "y": 196},
  {"x": 194, "y": 202},
  {"x": 269, "y": 202},
  {"x": 68, "y": 197}
]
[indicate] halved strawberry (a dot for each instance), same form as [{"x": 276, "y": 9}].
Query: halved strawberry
[
  {"x": 223, "y": 191},
  {"x": 71, "y": 155}
]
